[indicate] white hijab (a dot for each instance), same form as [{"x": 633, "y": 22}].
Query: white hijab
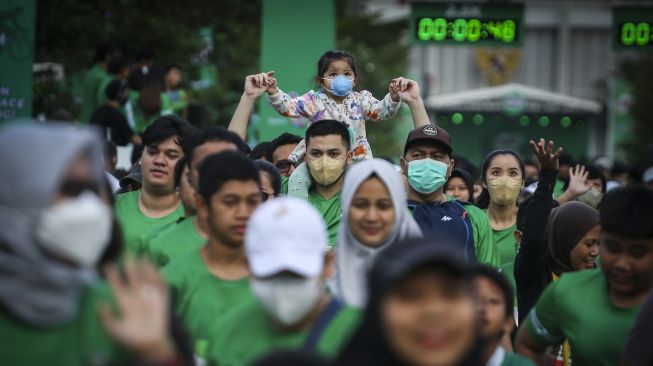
[{"x": 354, "y": 259}]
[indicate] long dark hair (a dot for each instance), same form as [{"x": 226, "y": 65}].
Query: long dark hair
[{"x": 483, "y": 200}]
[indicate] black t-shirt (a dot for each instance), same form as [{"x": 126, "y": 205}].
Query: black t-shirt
[{"x": 112, "y": 119}]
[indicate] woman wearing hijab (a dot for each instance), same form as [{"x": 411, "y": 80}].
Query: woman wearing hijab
[
  {"x": 55, "y": 224},
  {"x": 374, "y": 210},
  {"x": 421, "y": 310},
  {"x": 554, "y": 240}
]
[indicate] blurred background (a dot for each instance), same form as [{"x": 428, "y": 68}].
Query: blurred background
[{"x": 493, "y": 73}]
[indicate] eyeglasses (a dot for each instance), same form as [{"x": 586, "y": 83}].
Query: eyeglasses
[{"x": 283, "y": 166}]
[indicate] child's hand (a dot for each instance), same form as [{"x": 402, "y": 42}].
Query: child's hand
[
  {"x": 404, "y": 89},
  {"x": 255, "y": 85}
]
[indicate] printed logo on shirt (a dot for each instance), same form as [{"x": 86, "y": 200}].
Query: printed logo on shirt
[{"x": 446, "y": 218}]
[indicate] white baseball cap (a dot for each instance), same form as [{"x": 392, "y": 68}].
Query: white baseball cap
[{"x": 286, "y": 234}]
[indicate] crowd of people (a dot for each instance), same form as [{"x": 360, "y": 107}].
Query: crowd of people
[{"x": 307, "y": 250}]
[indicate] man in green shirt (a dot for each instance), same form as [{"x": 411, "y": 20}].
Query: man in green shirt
[
  {"x": 328, "y": 152},
  {"x": 595, "y": 309},
  {"x": 157, "y": 203},
  {"x": 213, "y": 280},
  {"x": 285, "y": 245},
  {"x": 190, "y": 233},
  {"x": 427, "y": 164},
  {"x": 495, "y": 302},
  {"x": 93, "y": 79}
]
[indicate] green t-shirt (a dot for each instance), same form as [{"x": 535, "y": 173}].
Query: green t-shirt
[
  {"x": 577, "y": 307},
  {"x": 513, "y": 359},
  {"x": 506, "y": 244},
  {"x": 135, "y": 225},
  {"x": 201, "y": 299},
  {"x": 559, "y": 188},
  {"x": 172, "y": 241},
  {"x": 248, "y": 334},
  {"x": 331, "y": 212},
  {"x": 93, "y": 80},
  {"x": 81, "y": 341}
]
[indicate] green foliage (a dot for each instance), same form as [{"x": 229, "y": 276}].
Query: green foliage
[
  {"x": 68, "y": 31},
  {"x": 639, "y": 72}
]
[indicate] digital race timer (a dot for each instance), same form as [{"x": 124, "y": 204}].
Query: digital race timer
[
  {"x": 466, "y": 23},
  {"x": 632, "y": 28}
]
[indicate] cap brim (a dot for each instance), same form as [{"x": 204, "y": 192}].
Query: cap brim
[
  {"x": 437, "y": 257},
  {"x": 273, "y": 262}
]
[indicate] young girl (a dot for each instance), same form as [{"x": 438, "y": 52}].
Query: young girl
[{"x": 335, "y": 99}]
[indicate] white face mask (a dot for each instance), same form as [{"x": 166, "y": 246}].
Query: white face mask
[
  {"x": 288, "y": 299},
  {"x": 77, "y": 229}
]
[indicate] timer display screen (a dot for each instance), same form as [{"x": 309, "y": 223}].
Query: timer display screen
[
  {"x": 466, "y": 24},
  {"x": 632, "y": 28}
]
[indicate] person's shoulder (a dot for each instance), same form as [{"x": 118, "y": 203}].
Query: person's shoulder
[
  {"x": 186, "y": 265},
  {"x": 585, "y": 277},
  {"x": 126, "y": 198}
]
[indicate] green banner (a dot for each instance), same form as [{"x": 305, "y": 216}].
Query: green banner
[
  {"x": 16, "y": 55},
  {"x": 292, "y": 41}
]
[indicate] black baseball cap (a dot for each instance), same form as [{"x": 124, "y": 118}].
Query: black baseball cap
[{"x": 429, "y": 133}]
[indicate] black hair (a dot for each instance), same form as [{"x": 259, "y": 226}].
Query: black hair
[
  {"x": 165, "y": 127},
  {"x": 466, "y": 177},
  {"x": 566, "y": 159},
  {"x": 483, "y": 200},
  {"x": 626, "y": 212},
  {"x": 619, "y": 168},
  {"x": 283, "y": 139},
  {"x": 217, "y": 169},
  {"x": 102, "y": 51},
  {"x": 179, "y": 170},
  {"x": 327, "y": 127},
  {"x": 170, "y": 67},
  {"x": 499, "y": 279},
  {"x": 261, "y": 151},
  {"x": 272, "y": 172},
  {"x": 334, "y": 55},
  {"x": 116, "y": 90},
  {"x": 117, "y": 64},
  {"x": 212, "y": 133},
  {"x": 594, "y": 173}
]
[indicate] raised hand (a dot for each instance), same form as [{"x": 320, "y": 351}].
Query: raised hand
[
  {"x": 545, "y": 155},
  {"x": 257, "y": 84},
  {"x": 578, "y": 181},
  {"x": 404, "y": 89},
  {"x": 142, "y": 322}
]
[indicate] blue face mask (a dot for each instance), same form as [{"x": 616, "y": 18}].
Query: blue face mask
[
  {"x": 340, "y": 86},
  {"x": 427, "y": 175}
]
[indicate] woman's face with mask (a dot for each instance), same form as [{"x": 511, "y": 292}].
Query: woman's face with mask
[
  {"x": 372, "y": 213},
  {"x": 76, "y": 227},
  {"x": 429, "y": 318},
  {"x": 504, "y": 179}
]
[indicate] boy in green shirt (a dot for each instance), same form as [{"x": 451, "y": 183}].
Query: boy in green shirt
[
  {"x": 595, "y": 309},
  {"x": 495, "y": 303},
  {"x": 212, "y": 281},
  {"x": 157, "y": 203},
  {"x": 182, "y": 236},
  {"x": 328, "y": 152},
  {"x": 285, "y": 246}
]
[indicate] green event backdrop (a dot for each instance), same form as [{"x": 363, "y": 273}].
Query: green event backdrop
[
  {"x": 16, "y": 56},
  {"x": 295, "y": 33}
]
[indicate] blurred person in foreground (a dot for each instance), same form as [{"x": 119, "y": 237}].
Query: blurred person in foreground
[
  {"x": 55, "y": 224},
  {"x": 421, "y": 310}
]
